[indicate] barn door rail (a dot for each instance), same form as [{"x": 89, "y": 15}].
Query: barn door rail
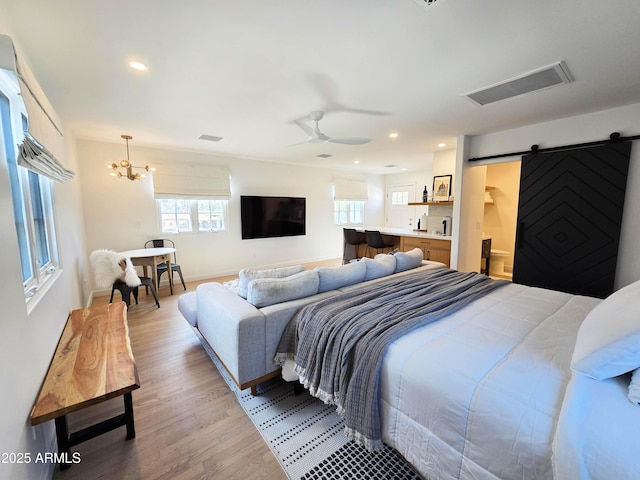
[{"x": 613, "y": 138}]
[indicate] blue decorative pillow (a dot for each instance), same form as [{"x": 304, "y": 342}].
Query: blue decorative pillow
[
  {"x": 269, "y": 291},
  {"x": 408, "y": 260},
  {"x": 248, "y": 274},
  {"x": 381, "y": 266},
  {"x": 332, "y": 278}
]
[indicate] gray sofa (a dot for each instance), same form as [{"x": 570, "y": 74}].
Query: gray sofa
[{"x": 243, "y": 322}]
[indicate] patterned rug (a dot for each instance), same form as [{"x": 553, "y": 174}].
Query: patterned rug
[{"x": 307, "y": 438}]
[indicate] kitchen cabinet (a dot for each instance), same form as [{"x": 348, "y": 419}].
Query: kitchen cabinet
[{"x": 433, "y": 249}]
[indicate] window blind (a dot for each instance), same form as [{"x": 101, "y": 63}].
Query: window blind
[
  {"x": 346, "y": 189},
  {"x": 191, "y": 181}
]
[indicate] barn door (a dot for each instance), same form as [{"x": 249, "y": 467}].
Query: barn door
[{"x": 569, "y": 217}]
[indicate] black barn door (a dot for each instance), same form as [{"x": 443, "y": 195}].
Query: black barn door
[{"x": 569, "y": 217}]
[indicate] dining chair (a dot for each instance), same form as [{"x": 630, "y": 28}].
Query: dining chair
[
  {"x": 175, "y": 266},
  {"x": 111, "y": 269}
]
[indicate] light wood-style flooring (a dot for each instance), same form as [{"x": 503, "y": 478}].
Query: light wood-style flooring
[{"x": 189, "y": 425}]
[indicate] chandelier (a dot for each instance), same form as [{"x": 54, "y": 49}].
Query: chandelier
[{"x": 128, "y": 166}]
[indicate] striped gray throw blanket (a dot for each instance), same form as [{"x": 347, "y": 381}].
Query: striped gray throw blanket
[{"x": 338, "y": 343}]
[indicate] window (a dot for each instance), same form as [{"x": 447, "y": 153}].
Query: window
[
  {"x": 178, "y": 215},
  {"x": 399, "y": 198},
  {"x": 348, "y": 212},
  {"x": 31, "y": 196}
]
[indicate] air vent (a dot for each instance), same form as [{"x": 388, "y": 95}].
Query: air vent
[
  {"x": 210, "y": 138},
  {"x": 425, "y": 3},
  {"x": 546, "y": 77},
  {"x": 324, "y": 155}
]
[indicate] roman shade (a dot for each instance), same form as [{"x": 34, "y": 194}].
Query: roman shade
[
  {"x": 346, "y": 189},
  {"x": 42, "y": 120},
  {"x": 191, "y": 181}
]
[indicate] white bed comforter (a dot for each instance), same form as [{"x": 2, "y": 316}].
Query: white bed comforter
[{"x": 478, "y": 395}]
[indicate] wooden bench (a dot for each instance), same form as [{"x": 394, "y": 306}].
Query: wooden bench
[{"x": 93, "y": 362}]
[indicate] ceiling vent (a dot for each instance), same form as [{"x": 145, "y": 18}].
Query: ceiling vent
[
  {"x": 210, "y": 138},
  {"x": 425, "y": 3},
  {"x": 546, "y": 77}
]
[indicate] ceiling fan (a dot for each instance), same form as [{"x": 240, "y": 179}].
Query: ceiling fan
[{"x": 316, "y": 136}]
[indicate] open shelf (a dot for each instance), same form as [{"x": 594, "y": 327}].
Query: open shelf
[{"x": 429, "y": 203}]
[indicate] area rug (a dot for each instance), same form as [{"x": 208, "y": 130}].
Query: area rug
[{"x": 307, "y": 436}]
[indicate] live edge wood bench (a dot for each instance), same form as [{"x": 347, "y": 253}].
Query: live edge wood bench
[{"x": 93, "y": 362}]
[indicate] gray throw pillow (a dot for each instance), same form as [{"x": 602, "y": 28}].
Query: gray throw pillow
[
  {"x": 332, "y": 278},
  {"x": 381, "y": 266},
  {"x": 269, "y": 291},
  {"x": 248, "y": 274},
  {"x": 408, "y": 260}
]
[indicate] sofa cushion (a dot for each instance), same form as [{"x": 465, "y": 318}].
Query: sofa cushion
[
  {"x": 408, "y": 260},
  {"x": 380, "y": 266},
  {"x": 248, "y": 274},
  {"x": 332, "y": 278},
  {"x": 269, "y": 291}
]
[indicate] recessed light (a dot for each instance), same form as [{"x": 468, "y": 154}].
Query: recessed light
[
  {"x": 442, "y": 145},
  {"x": 141, "y": 67},
  {"x": 356, "y": 161},
  {"x": 393, "y": 135}
]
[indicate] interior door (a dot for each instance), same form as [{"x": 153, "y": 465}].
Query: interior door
[
  {"x": 398, "y": 214},
  {"x": 569, "y": 217}
]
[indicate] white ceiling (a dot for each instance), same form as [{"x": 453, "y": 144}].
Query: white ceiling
[{"x": 244, "y": 70}]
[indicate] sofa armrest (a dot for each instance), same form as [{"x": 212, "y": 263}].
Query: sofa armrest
[{"x": 235, "y": 330}]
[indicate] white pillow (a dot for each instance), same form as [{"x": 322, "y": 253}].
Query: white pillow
[
  {"x": 408, "y": 260},
  {"x": 381, "y": 266},
  {"x": 608, "y": 342},
  {"x": 332, "y": 278},
  {"x": 269, "y": 291},
  {"x": 248, "y": 274}
]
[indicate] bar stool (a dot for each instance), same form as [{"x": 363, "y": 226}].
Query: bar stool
[
  {"x": 352, "y": 238},
  {"x": 375, "y": 240}
]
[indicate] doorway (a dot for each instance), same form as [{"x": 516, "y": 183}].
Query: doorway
[
  {"x": 501, "y": 213},
  {"x": 398, "y": 214}
]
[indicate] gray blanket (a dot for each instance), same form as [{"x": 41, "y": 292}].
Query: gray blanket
[{"x": 338, "y": 343}]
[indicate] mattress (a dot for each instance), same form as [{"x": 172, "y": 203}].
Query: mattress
[{"x": 478, "y": 395}]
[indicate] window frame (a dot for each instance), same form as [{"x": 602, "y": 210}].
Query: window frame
[
  {"x": 194, "y": 216},
  {"x": 350, "y": 211},
  {"x": 36, "y": 194}
]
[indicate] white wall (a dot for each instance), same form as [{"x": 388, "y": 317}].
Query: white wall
[
  {"x": 27, "y": 341},
  {"x": 583, "y": 128},
  {"x": 121, "y": 214}
]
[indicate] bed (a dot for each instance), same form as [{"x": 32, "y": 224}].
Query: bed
[{"x": 517, "y": 383}]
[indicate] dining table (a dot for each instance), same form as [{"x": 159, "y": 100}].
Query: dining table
[{"x": 152, "y": 257}]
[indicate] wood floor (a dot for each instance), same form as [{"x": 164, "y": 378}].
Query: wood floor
[{"x": 189, "y": 425}]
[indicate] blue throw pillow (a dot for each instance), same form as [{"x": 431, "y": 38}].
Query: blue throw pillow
[{"x": 332, "y": 278}]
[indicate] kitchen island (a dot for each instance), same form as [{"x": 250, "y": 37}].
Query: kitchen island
[{"x": 434, "y": 246}]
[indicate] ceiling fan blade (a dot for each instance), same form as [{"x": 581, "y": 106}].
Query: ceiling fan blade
[
  {"x": 350, "y": 141},
  {"x": 307, "y": 129}
]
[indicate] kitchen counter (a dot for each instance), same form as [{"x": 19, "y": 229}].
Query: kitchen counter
[
  {"x": 434, "y": 247},
  {"x": 406, "y": 232}
]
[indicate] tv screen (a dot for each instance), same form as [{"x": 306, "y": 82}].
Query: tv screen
[{"x": 263, "y": 217}]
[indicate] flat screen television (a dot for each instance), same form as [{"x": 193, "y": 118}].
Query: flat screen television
[{"x": 264, "y": 217}]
